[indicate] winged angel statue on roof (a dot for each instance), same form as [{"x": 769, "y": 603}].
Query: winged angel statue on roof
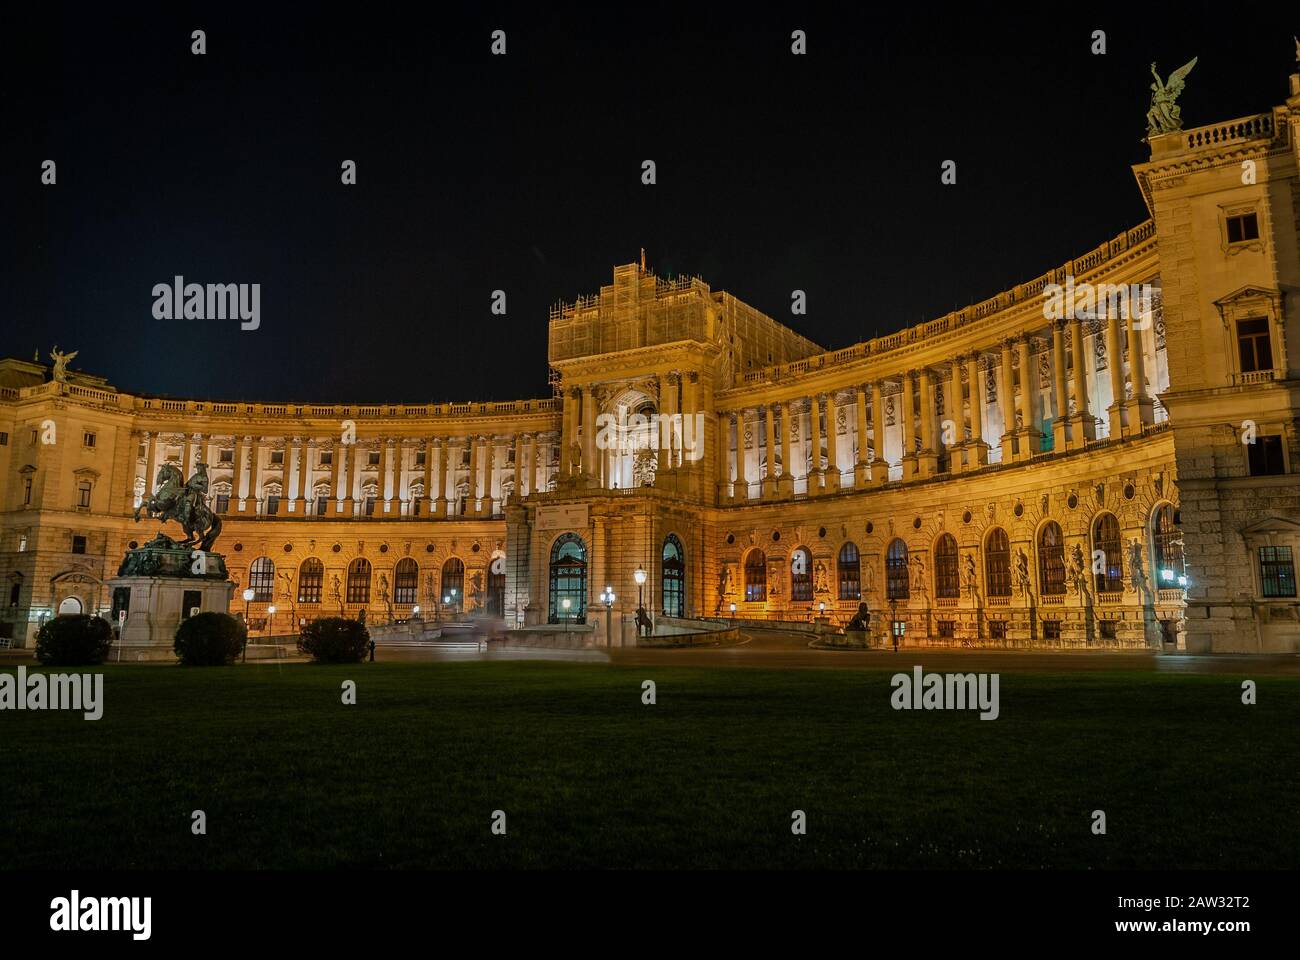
[{"x": 1165, "y": 116}]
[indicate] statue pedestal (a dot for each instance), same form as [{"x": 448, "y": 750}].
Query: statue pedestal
[{"x": 158, "y": 586}]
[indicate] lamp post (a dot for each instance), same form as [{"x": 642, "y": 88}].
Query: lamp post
[
  {"x": 608, "y": 598},
  {"x": 733, "y": 609},
  {"x": 453, "y": 601},
  {"x": 248, "y": 598},
  {"x": 270, "y": 618},
  {"x": 639, "y": 576}
]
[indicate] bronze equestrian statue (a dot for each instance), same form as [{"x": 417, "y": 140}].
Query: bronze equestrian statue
[{"x": 186, "y": 503}]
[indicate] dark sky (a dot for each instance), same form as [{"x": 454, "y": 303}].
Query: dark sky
[{"x": 522, "y": 172}]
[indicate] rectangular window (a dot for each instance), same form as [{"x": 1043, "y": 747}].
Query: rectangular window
[
  {"x": 78, "y": 544},
  {"x": 322, "y": 506},
  {"x": 997, "y": 629},
  {"x": 370, "y": 506},
  {"x": 27, "y": 491},
  {"x": 415, "y": 507},
  {"x": 1265, "y": 457},
  {"x": 1253, "y": 345},
  {"x": 272, "y": 505},
  {"x": 226, "y": 456},
  {"x": 327, "y": 458},
  {"x": 223, "y": 503},
  {"x": 1052, "y": 630},
  {"x": 1277, "y": 571},
  {"x": 1108, "y": 631},
  {"x": 34, "y": 433},
  {"x": 947, "y": 629},
  {"x": 373, "y": 458},
  {"x": 83, "y": 494},
  {"x": 1242, "y": 228},
  {"x": 4, "y": 439},
  {"x": 277, "y": 458},
  {"x": 88, "y": 439}
]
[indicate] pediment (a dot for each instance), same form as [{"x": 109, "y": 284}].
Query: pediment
[
  {"x": 1271, "y": 526},
  {"x": 1242, "y": 294}
]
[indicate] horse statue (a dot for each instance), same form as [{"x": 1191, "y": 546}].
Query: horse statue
[{"x": 186, "y": 503}]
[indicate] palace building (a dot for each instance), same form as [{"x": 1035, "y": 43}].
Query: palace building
[{"x": 1104, "y": 456}]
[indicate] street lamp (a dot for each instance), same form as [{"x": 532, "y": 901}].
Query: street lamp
[
  {"x": 639, "y": 576},
  {"x": 248, "y": 598},
  {"x": 608, "y": 598},
  {"x": 270, "y": 616},
  {"x": 733, "y": 609}
]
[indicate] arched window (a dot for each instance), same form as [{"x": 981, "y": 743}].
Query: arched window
[
  {"x": 1051, "y": 560},
  {"x": 496, "y": 594},
  {"x": 1167, "y": 543},
  {"x": 359, "y": 581},
  {"x": 997, "y": 563},
  {"x": 406, "y": 581},
  {"x": 311, "y": 579},
  {"x": 946, "y": 584},
  {"x": 756, "y": 576},
  {"x": 261, "y": 578},
  {"x": 1105, "y": 538},
  {"x": 849, "y": 567},
  {"x": 568, "y": 580},
  {"x": 674, "y": 577},
  {"x": 453, "y": 582},
  {"x": 801, "y": 587},
  {"x": 896, "y": 586}
]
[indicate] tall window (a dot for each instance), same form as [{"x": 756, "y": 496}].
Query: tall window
[
  {"x": 359, "y": 581},
  {"x": 756, "y": 576},
  {"x": 997, "y": 563},
  {"x": 1277, "y": 571},
  {"x": 496, "y": 594},
  {"x": 674, "y": 577},
  {"x": 849, "y": 569},
  {"x": 272, "y": 504},
  {"x": 946, "y": 584},
  {"x": 222, "y": 503},
  {"x": 568, "y": 580},
  {"x": 406, "y": 581},
  {"x": 801, "y": 586},
  {"x": 1253, "y": 345},
  {"x": 1264, "y": 456},
  {"x": 83, "y": 494},
  {"x": 261, "y": 578},
  {"x": 1167, "y": 542},
  {"x": 453, "y": 579},
  {"x": 1105, "y": 538},
  {"x": 311, "y": 578},
  {"x": 1051, "y": 560},
  {"x": 896, "y": 586}
]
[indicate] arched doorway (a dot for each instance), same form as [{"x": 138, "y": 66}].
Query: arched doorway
[
  {"x": 674, "y": 577},
  {"x": 69, "y": 607},
  {"x": 453, "y": 584},
  {"x": 496, "y": 586},
  {"x": 568, "y": 580}
]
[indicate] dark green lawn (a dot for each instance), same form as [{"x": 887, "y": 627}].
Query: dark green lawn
[{"x": 708, "y": 777}]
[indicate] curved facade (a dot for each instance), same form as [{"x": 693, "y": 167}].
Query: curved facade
[{"x": 1101, "y": 456}]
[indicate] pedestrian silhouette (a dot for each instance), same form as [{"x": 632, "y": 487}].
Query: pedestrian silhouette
[{"x": 372, "y": 651}]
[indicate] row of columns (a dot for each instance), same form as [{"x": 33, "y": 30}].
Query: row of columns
[
  {"x": 439, "y": 472},
  {"x": 925, "y": 441}
]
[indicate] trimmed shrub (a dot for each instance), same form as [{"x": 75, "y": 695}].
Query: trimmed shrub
[
  {"x": 74, "y": 640},
  {"x": 210, "y": 640},
  {"x": 335, "y": 640}
]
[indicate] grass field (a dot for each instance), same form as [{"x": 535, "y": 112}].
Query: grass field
[{"x": 588, "y": 776}]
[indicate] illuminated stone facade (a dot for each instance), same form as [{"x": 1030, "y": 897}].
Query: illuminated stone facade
[{"x": 1011, "y": 473}]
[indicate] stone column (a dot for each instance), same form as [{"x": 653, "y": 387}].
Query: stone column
[
  {"x": 977, "y": 451},
  {"x": 928, "y": 461},
  {"x": 530, "y": 467},
  {"x": 489, "y": 471},
  {"x": 589, "y": 432},
  {"x": 151, "y": 465},
  {"x": 306, "y": 448},
  {"x": 519, "y": 468},
  {"x": 1140, "y": 408},
  {"x": 385, "y": 468},
  {"x": 879, "y": 465},
  {"x": 861, "y": 466},
  {"x": 340, "y": 478},
  {"x": 768, "y": 413},
  {"x": 430, "y": 471},
  {"x": 187, "y": 457},
  {"x": 286, "y": 466},
  {"x": 1115, "y": 364},
  {"x": 1082, "y": 426},
  {"x": 436, "y": 486},
  {"x": 1006, "y": 399},
  {"x": 724, "y": 457},
  {"x": 955, "y": 429},
  {"x": 740, "y": 487},
  {"x": 909, "y": 427},
  {"x": 566, "y": 431},
  {"x": 471, "y": 497},
  {"x": 785, "y": 482},
  {"x": 832, "y": 480},
  {"x": 667, "y": 393},
  {"x": 692, "y": 445},
  {"x": 1028, "y": 380},
  {"x": 1061, "y": 404},
  {"x": 236, "y": 479},
  {"x": 815, "y": 455},
  {"x": 254, "y": 474}
]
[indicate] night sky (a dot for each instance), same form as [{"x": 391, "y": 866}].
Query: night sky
[{"x": 522, "y": 172}]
